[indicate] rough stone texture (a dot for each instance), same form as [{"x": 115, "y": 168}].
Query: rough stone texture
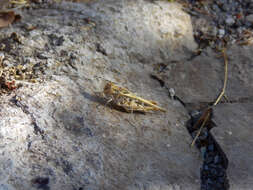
[
  {"x": 234, "y": 134},
  {"x": 58, "y": 134},
  {"x": 201, "y": 78},
  {"x": 84, "y": 144},
  {"x": 249, "y": 18}
]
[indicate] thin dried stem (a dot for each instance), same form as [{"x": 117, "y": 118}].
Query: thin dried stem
[
  {"x": 200, "y": 129},
  {"x": 222, "y": 94},
  {"x": 225, "y": 78}
]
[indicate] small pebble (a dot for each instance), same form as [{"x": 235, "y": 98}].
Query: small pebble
[
  {"x": 230, "y": 132},
  {"x": 221, "y": 179},
  {"x": 209, "y": 159},
  {"x": 209, "y": 181},
  {"x": 230, "y": 21},
  {"x": 221, "y": 33},
  {"x": 87, "y": 131},
  {"x": 213, "y": 171},
  {"x": 211, "y": 147},
  {"x": 203, "y": 151},
  {"x": 172, "y": 93},
  {"x": 7, "y": 63},
  {"x": 216, "y": 159},
  {"x": 1, "y": 57},
  {"x": 214, "y": 31},
  {"x": 249, "y": 18}
]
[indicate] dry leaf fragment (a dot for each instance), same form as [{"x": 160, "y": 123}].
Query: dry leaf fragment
[
  {"x": 6, "y": 18},
  {"x": 10, "y": 85},
  {"x": 122, "y": 97},
  {"x": 19, "y": 2}
]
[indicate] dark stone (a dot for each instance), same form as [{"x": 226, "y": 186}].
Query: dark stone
[
  {"x": 206, "y": 167},
  {"x": 221, "y": 173},
  {"x": 203, "y": 151},
  {"x": 66, "y": 166},
  {"x": 209, "y": 159},
  {"x": 213, "y": 172},
  {"x": 211, "y": 147},
  {"x": 55, "y": 40},
  {"x": 41, "y": 182},
  {"x": 87, "y": 131},
  {"x": 217, "y": 159}
]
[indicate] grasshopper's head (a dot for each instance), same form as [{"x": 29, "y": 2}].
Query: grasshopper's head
[{"x": 108, "y": 89}]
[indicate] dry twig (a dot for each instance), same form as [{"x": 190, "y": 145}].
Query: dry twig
[
  {"x": 225, "y": 78},
  {"x": 206, "y": 113}
]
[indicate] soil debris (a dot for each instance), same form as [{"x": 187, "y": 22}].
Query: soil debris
[
  {"x": 10, "y": 74},
  {"x": 218, "y": 23}
]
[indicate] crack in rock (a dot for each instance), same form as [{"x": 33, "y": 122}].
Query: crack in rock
[
  {"x": 37, "y": 130},
  {"x": 215, "y": 162}
]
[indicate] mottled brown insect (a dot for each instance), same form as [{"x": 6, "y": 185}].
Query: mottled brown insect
[{"x": 125, "y": 99}]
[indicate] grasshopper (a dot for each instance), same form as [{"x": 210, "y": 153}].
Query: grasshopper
[{"x": 127, "y": 100}]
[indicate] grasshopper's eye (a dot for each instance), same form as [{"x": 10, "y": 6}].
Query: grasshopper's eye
[{"x": 107, "y": 89}]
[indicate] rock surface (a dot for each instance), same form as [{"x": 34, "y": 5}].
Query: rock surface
[
  {"x": 201, "y": 78},
  {"x": 234, "y": 133},
  {"x": 58, "y": 134}
]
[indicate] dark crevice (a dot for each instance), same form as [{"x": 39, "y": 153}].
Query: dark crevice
[
  {"x": 162, "y": 83},
  {"x": 230, "y": 101},
  {"x": 215, "y": 162},
  {"x": 37, "y": 130},
  {"x": 204, "y": 103},
  {"x": 41, "y": 183},
  {"x": 100, "y": 49}
]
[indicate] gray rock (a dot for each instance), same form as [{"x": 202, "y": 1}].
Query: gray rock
[
  {"x": 6, "y": 187},
  {"x": 201, "y": 79},
  {"x": 249, "y": 18},
  {"x": 230, "y": 21},
  {"x": 221, "y": 33},
  {"x": 59, "y": 134},
  {"x": 214, "y": 31},
  {"x": 233, "y": 133}
]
